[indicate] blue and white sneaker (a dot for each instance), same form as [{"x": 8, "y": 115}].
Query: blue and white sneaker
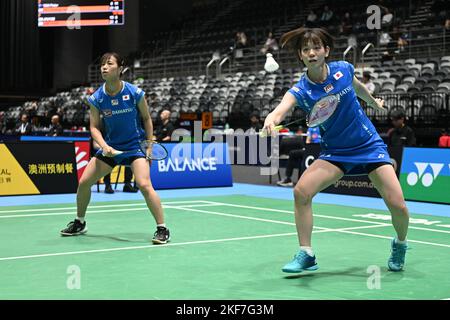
[
  {"x": 397, "y": 259},
  {"x": 301, "y": 262}
]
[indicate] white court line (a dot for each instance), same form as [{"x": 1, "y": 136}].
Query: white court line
[
  {"x": 323, "y": 216},
  {"x": 174, "y": 244},
  {"x": 234, "y": 216},
  {"x": 341, "y": 230},
  {"x": 287, "y": 211},
  {"x": 276, "y": 221},
  {"x": 147, "y": 246},
  {"x": 386, "y": 237},
  {"x": 124, "y": 210},
  {"x": 141, "y": 203},
  {"x": 195, "y": 206}
]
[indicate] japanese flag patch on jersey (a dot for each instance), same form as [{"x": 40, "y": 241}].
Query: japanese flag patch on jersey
[
  {"x": 126, "y": 97},
  {"x": 338, "y": 75}
]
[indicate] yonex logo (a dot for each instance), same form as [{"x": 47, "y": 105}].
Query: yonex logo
[{"x": 426, "y": 178}]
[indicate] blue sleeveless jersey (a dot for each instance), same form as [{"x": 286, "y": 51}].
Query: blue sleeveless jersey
[
  {"x": 121, "y": 118},
  {"x": 348, "y": 135}
]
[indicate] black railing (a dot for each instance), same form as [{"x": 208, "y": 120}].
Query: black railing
[{"x": 421, "y": 109}]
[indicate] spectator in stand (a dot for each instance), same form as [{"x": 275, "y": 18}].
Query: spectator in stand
[
  {"x": 32, "y": 109},
  {"x": 447, "y": 20},
  {"x": 366, "y": 80},
  {"x": 444, "y": 139},
  {"x": 270, "y": 45},
  {"x": 23, "y": 127},
  {"x": 386, "y": 41},
  {"x": 241, "y": 40},
  {"x": 35, "y": 125},
  {"x": 346, "y": 26},
  {"x": 327, "y": 16},
  {"x": 311, "y": 20},
  {"x": 385, "y": 38},
  {"x": 387, "y": 19},
  {"x": 163, "y": 132},
  {"x": 153, "y": 100},
  {"x": 400, "y": 134},
  {"x": 255, "y": 122},
  {"x": 55, "y": 128},
  {"x": 401, "y": 37}
]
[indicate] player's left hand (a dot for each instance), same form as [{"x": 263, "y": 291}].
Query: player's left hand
[
  {"x": 379, "y": 104},
  {"x": 148, "y": 153}
]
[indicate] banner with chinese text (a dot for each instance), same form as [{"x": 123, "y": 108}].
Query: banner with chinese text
[{"x": 37, "y": 168}]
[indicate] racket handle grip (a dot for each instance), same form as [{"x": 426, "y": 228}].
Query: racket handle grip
[
  {"x": 278, "y": 128},
  {"x": 263, "y": 134}
]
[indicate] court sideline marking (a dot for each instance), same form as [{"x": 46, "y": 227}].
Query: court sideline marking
[
  {"x": 322, "y": 216},
  {"x": 203, "y": 203},
  {"x": 321, "y": 230},
  {"x": 346, "y": 230},
  {"x": 174, "y": 244}
]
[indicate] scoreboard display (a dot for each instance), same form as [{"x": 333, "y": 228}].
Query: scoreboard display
[{"x": 80, "y": 13}]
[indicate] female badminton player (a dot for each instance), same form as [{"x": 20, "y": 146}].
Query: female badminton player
[
  {"x": 350, "y": 143},
  {"x": 122, "y": 107}
]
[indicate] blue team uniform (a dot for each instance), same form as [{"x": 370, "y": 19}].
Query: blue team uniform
[
  {"x": 122, "y": 122},
  {"x": 348, "y": 137}
]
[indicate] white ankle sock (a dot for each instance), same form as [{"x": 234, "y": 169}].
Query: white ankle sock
[
  {"x": 80, "y": 219},
  {"x": 161, "y": 225},
  {"x": 308, "y": 250},
  {"x": 400, "y": 242}
]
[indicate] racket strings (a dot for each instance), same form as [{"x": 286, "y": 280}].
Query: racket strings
[
  {"x": 322, "y": 110},
  {"x": 158, "y": 152}
]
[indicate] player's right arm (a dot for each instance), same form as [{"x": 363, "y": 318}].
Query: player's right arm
[
  {"x": 95, "y": 126},
  {"x": 277, "y": 115}
]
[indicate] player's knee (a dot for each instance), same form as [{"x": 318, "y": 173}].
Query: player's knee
[
  {"x": 302, "y": 195},
  {"x": 144, "y": 186},
  {"x": 399, "y": 207},
  {"x": 85, "y": 183}
]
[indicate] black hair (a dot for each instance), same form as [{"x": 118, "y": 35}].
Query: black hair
[
  {"x": 397, "y": 115},
  {"x": 367, "y": 75},
  {"x": 299, "y": 38},
  {"x": 106, "y": 56},
  {"x": 115, "y": 55}
]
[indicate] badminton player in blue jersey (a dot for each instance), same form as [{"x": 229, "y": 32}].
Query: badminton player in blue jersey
[
  {"x": 123, "y": 109},
  {"x": 350, "y": 144}
]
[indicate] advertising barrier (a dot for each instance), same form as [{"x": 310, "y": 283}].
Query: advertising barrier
[
  {"x": 352, "y": 185},
  {"x": 193, "y": 165},
  {"x": 82, "y": 148},
  {"x": 37, "y": 168},
  {"x": 425, "y": 174}
]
